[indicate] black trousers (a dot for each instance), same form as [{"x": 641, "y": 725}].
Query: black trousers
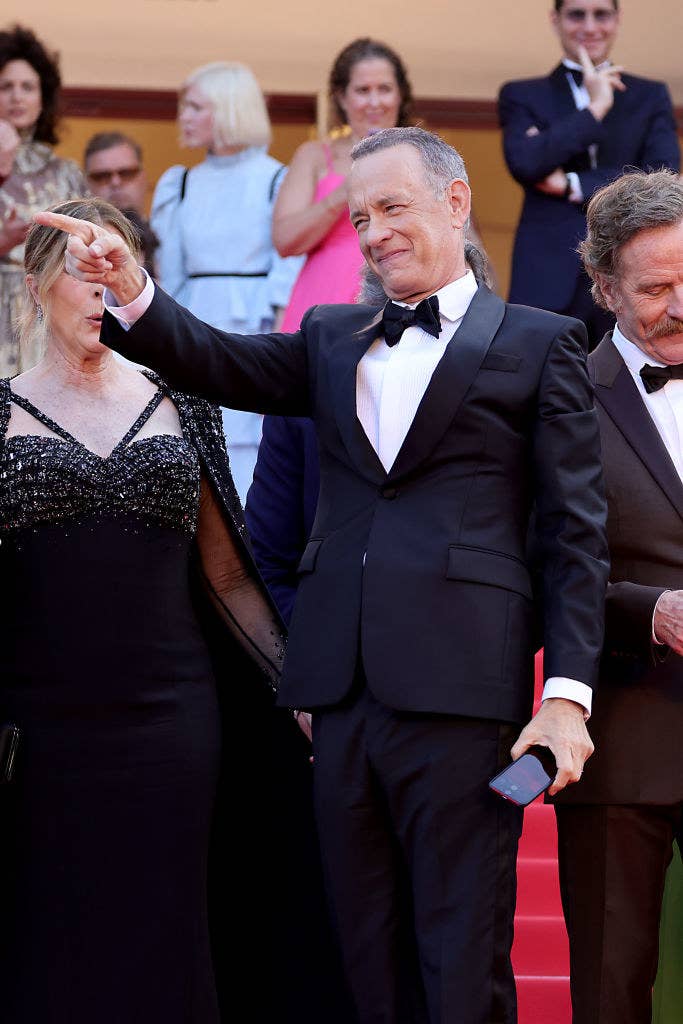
[
  {"x": 419, "y": 861},
  {"x": 613, "y": 862}
]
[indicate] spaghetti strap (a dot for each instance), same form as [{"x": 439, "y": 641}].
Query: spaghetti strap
[
  {"x": 33, "y": 410},
  {"x": 48, "y": 422},
  {"x": 329, "y": 159},
  {"x": 151, "y": 406}
]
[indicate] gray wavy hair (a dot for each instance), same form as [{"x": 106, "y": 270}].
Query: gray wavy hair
[
  {"x": 633, "y": 203},
  {"x": 442, "y": 164}
]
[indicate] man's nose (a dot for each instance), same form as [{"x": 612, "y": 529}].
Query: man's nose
[
  {"x": 378, "y": 230},
  {"x": 675, "y": 303}
]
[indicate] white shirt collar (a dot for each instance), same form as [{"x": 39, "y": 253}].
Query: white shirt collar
[
  {"x": 454, "y": 298},
  {"x": 633, "y": 356}
]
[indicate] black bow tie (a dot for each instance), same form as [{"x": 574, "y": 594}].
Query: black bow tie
[
  {"x": 396, "y": 318},
  {"x": 655, "y": 377}
]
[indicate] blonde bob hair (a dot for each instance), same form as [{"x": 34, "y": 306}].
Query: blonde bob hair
[
  {"x": 44, "y": 254},
  {"x": 240, "y": 117}
]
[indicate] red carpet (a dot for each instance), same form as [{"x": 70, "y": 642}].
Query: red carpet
[{"x": 540, "y": 954}]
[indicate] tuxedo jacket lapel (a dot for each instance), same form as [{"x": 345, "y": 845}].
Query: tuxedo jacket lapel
[
  {"x": 451, "y": 380},
  {"x": 343, "y": 365},
  {"x": 616, "y": 391},
  {"x": 564, "y": 97}
]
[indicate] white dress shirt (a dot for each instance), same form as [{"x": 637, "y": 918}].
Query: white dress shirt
[
  {"x": 665, "y": 406},
  {"x": 390, "y": 384}
]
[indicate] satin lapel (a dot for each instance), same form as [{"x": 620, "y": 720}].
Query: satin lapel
[
  {"x": 451, "y": 380},
  {"x": 343, "y": 362},
  {"x": 616, "y": 391},
  {"x": 564, "y": 97}
]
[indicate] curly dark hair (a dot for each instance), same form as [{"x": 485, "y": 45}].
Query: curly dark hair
[
  {"x": 369, "y": 49},
  {"x": 18, "y": 43}
]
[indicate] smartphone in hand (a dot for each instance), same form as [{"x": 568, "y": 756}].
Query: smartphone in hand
[{"x": 526, "y": 778}]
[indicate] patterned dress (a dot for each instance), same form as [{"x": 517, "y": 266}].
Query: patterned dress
[{"x": 39, "y": 179}]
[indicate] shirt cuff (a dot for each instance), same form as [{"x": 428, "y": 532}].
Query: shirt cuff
[
  {"x": 575, "y": 190},
  {"x": 569, "y": 689},
  {"x": 659, "y": 643},
  {"x": 130, "y": 314}
]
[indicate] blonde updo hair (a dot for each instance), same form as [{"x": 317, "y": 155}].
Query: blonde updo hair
[
  {"x": 240, "y": 116},
  {"x": 44, "y": 254}
]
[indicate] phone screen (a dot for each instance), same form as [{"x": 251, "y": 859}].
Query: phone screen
[{"x": 522, "y": 781}]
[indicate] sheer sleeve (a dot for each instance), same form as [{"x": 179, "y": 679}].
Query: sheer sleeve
[{"x": 236, "y": 593}]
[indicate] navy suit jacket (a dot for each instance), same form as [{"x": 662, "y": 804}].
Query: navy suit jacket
[
  {"x": 424, "y": 568},
  {"x": 638, "y": 132},
  {"x": 281, "y": 503}
]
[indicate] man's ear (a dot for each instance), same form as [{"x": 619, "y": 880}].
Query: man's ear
[
  {"x": 610, "y": 292},
  {"x": 460, "y": 198},
  {"x": 555, "y": 21}
]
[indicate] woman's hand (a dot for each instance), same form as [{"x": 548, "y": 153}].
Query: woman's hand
[
  {"x": 99, "y": 255},
  {"x": 13, "y": 231},
  {"x": 299, "y": 223}
]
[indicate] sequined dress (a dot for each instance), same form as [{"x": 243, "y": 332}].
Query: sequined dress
[{"x": 104, "y": 667}]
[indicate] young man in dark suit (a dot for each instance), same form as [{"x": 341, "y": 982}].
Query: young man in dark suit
[
  {"x": 616, "y": 827},
  {"x": 566, "y": 135},
  {"x": 442, "y": 420}
]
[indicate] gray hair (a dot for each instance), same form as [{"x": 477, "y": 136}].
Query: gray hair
[
  {"x": 619, "y": 211},
  {"x": 441, "y": 162},
  {"x": 372, "y": 292}
]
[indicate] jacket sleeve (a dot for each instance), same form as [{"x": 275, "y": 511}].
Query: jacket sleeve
[
  {"x": 571, "y": 511},
  {"x": 265, "y": 373},
  {"x": 530, "y": 158},
  {"x": 275, "y": 510}
]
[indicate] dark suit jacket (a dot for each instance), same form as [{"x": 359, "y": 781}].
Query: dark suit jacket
[
  {"x": 425, "y": 567},
  {"x": 637, "y": 721},
  {"x": 638, "y": 132},
  {"x": 281, "y": 503}
]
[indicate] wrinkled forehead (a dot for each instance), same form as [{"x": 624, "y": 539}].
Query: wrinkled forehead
[{"x": 396, "y": 171}]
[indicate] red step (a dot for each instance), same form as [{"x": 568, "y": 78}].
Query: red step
[
  {"x": 543, "y": 1000},
  {"x": 539, "y": 837},
  {"x": 538, "y": 887},
  {"x": 540, "y": 946}
]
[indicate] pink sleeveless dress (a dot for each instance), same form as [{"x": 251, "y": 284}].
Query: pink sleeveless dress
[{"x": 332, "y": 271}]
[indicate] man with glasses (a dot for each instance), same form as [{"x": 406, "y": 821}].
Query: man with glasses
[
  {"x": 565, "y": 136},
  {"x": 113, "y": 168}
]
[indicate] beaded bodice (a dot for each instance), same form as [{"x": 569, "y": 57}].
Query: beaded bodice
[{"x": 50, "y": 480}]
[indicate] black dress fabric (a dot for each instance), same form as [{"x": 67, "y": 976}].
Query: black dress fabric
[{"x": 104, "y": 666}]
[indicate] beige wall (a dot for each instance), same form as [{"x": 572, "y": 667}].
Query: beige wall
[
  {"x": 496, "y": 196},
  {"x": 452, "y": 47}
]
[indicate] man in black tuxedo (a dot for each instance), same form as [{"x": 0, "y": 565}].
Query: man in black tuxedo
[
  {"x": 442, "y": 422},
  {"x": 616, "y": 827},
  {"x": 566, "y": 135}
]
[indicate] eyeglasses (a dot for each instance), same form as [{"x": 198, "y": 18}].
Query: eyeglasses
[
  {"x": 105, "y": 177},
  {"x": 577, "y": 15}
]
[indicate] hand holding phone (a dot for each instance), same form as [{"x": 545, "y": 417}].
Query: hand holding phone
[{"x": 526, "y": 778}]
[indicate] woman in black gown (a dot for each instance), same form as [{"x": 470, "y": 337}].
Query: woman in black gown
[{"x": 116, "y": 512}]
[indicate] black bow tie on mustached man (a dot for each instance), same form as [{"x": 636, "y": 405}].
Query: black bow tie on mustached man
[
  {"x": 655, "y": 377},
  {"x": 396, "y": 318}
]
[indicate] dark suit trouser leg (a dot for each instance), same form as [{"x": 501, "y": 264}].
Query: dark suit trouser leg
[
  {"x": 419, "y": 856},
  {"x": 613, "y": 861}
]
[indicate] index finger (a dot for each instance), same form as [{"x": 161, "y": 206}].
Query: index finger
[
  {"x": 82, "y": 229},
  {"x": 586, "y": 62}
]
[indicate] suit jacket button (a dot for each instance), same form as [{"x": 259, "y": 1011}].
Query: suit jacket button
[{"x": 389, "y": 493}]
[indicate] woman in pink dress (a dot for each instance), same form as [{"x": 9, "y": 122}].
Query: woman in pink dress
[{"x": 369, "y": 90}]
